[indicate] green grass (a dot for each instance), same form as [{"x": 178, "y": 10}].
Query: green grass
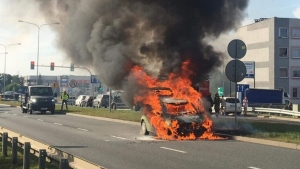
[
  {"x": 6, "y": 162},
  {"x": 277, "y": 132}
]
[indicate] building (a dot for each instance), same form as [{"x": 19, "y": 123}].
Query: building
[
  {"x": 74, "y": 85},
  {"x": 274, "y": 45}
]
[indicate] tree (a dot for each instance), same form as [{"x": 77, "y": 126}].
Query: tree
[
  {"x": 12, "y": 87},
  {"x": 8, "y": 80}
]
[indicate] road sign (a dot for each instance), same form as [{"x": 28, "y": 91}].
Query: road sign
[
  {"x": 94, "y": 79},
  {"x": 54, "y": 85},
  {"x": 250, "y": 69},
  {"x": 240, "y": 70},
  {"x": 220, "y": 91},
  {"x": 237, "y": 49},
  {"x": 242, "y": 87},
  {"x": 73, "y": 83}
]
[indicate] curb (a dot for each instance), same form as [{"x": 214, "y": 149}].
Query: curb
[
  {"x": 105, "y": 119},
  {"x": 267, "y": 142}
]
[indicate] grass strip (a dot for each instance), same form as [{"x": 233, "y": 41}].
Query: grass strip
[{"x": 288, "y": 133}]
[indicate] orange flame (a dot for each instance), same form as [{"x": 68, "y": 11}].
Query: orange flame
[{"x": 181, "y": 89}]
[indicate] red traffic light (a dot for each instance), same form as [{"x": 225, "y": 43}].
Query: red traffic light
[{"x": 32, "y": 65}]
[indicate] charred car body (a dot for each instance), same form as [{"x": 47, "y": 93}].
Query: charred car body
[
  {"x": 38, "y": 98},
  {"x": 190, "y": 119}
]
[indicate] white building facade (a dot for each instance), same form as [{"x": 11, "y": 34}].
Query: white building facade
[{"x": 274, "y": 45}]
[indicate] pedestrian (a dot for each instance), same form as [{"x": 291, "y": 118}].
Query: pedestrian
[
  {"x": 64, "y": 97},
  {"x": 245, "y": 105},
  {"x": 210, "y": 101},
  {"x": 223, "y": 106},
  {"x": 217, "y": 104}
]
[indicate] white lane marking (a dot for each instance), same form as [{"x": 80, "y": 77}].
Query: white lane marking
[
  {"x": 40, "y": 120},
  {"x": 5, "y": 112},
  {"x": 106, "y": 140},
  {"x": 173, "y": 149},
  {"x": 25, "y": 116},
  {"x": 58, "y": 124},
  {"x": 119, "y": 137},
  {"x": 82, "y": 129},
  {"x": 15, "y": 114},
  {"x": 253, "y": 168}
]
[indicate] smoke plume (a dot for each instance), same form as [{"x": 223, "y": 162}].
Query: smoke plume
[{"x": 112, "y": 36}]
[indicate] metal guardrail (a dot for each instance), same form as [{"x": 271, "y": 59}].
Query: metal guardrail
[
  {"x": 274, "y": 111},
  {"x": 52, "y": 152}
]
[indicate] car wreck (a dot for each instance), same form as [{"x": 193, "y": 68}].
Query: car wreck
[{"x": 180, "y": 117}]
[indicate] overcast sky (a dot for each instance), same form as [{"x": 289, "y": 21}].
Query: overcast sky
[{"x": 19, "y": 56}]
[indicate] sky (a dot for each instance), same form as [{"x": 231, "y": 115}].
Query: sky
[{"x": 18, "y": 57}]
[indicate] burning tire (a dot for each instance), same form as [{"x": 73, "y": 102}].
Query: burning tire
[{"x": 144, "y": 130}]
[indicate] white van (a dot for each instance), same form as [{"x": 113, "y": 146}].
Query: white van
[{"x": 230, "y": 106}]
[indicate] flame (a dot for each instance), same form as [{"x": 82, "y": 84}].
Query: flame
[{"x": 181, "y": 88}]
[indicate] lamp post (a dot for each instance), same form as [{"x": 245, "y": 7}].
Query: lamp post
[
  {"x": 37, "y": 60},
  {"x": 4, "y": 78}
]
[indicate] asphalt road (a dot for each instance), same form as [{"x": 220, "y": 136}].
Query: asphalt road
[{"x": 117, "y": 145}]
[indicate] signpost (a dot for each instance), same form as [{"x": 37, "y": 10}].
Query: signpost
[
  {"x": 94, "y": 79},
  {"x": 235, "y": 69},
  {"x": 73, "y": 83},
  {"x": 220, "y": 91},
  {"x": 242, "y": 87}
]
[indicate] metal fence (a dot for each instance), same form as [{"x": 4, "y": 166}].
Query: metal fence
[
  {"x": 271, "y": 111},
  {"x": 64, "y": 159}
]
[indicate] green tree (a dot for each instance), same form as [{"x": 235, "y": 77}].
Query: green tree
[
  {"x": 12, "y": 87},
  {"x": 8, "y": 80}
]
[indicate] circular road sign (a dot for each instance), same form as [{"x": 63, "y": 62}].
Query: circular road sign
[
  {"x": 237, "y": 49},
  {"x": 235, "y": 70},
  {"x": 73, "y": 83}
]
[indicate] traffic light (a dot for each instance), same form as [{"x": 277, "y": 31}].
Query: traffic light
[
  {"x": 72, "y": 66},
  {"x": 52, "y": 66},
  {"x": 32, "y": 65}
]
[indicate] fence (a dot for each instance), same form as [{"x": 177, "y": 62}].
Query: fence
[
  {"x": 270, "y": 111},
  {"x": 43, "y": 151}
]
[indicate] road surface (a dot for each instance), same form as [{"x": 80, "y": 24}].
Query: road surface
[{"x": 115, "y": 145}]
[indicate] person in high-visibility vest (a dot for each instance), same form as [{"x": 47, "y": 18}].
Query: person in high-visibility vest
[{"x": 64, "y": 98}]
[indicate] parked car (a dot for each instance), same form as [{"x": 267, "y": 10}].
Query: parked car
[
  {"x": 71, "y": 100},
  {"x": 230, "y": 106},
  {"x": 87, "y": 101},
  {"x": 117, "y": 102},
  {"x": 78, "y": 101},
  {"x": 102, "y": 100}
]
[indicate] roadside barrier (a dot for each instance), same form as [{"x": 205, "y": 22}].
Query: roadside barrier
[
  {"x": 43, "y": 151},
  {"x": 270, "y": 111}
]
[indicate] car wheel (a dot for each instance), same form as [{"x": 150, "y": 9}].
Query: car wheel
[
  {"x": 23, "y": 111},
  {"x": 99, "y": 105},
  {"x": 144, "y": 130},
  {"x": 52, "y": 111},
  {"x": 30, "y": 111}
]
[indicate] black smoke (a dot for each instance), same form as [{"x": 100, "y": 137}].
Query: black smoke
[{"x": 111, "y": 36}]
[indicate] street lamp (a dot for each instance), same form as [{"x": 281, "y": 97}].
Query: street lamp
[
  {"x": 37, "y": 60},
  {"x": 4, "y": 78}
]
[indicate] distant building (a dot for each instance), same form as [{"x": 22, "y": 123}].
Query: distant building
[
  {"x": 74, "y": 85},
  {"x": 274, "y": 45}
]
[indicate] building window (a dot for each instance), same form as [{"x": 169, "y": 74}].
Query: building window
[
  {"x": 283, "y": 52},
  {"x": 295, "y": 93},
  {"x": 296, "y": 72},
  {"x": 296, "y": 32},
  {"x": 283, "y": 32},
  {"x": 283, "y": 72},
  {"x": 296, "y": 53}
]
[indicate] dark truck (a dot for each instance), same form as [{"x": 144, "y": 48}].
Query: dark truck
[{"x": 38, "y": 98}]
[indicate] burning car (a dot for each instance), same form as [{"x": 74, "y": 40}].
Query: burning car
[{"x": 180, "y": 117}]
